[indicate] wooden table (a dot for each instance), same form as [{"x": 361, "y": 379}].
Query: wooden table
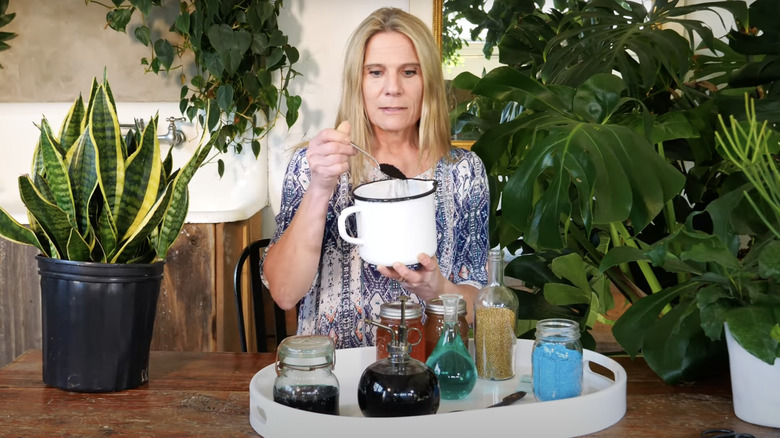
[{"x": 206, "y": 394}]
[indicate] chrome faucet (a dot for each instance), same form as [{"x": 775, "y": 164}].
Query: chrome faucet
[{"x": 175, "y": 136}]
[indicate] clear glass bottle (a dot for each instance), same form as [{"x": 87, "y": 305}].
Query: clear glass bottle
[
  {"x": 304, "y": 374},
  {"x": 434, "y": 323},
  {"x": 398, "y": 385},
  {"x": 451, "y": 360},
  {"x": 557, "y": 360},
  {"x": 495, "y": 322}
]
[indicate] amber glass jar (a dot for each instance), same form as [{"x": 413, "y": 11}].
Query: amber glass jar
[
  {"x": 434, "y": 323},
  {"x": 390, "y": 315}
]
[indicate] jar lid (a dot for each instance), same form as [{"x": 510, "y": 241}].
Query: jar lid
[
  {"x": 306, "y": 351},
  {"x": 557, "y": 329},
  {"x": 436, "y": 306},
  {"x": 393, "y": 310}
]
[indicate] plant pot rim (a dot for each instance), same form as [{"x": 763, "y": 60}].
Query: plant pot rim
[
  {"x": 99, "y": 272},
  {"x": 45, "y": 259}
]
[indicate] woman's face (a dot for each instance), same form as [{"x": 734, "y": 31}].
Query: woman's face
[{"x": 392, "y": 83}]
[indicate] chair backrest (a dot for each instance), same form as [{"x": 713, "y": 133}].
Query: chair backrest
[{"x": 252, "y": 253}]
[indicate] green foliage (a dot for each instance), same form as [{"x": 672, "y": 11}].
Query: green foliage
[
  {"x": 243, "y": 62},
  {"x": 4, "y": 20},
  {"x": 600, "y": 134},
  {"x": 93, "y": 195}
]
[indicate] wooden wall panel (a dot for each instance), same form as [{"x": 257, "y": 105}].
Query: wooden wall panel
[
  {"x": 185, "y": 310},
  {"x": 20, "y": 300}
]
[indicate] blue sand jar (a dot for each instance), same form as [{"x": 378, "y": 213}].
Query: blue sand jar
[{"x": 557, "y": 360}]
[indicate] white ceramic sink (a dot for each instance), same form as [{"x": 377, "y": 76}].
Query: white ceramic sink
[{"x": 238, "y": 195}]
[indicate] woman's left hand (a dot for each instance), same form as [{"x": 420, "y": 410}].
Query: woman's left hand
[{"x": 427, "y": 282}]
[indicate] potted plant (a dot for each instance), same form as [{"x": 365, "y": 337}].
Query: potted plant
[
  {"x": 242, "y": 59},
  {"x": 104, "y": 210},
  {"x": 731, "y": 281},
  {"x": 587, "y": 162}
]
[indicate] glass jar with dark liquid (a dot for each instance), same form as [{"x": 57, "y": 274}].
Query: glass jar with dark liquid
[
  {"x": 304, "y": 370},
  {"x": 398, "y": 385}
]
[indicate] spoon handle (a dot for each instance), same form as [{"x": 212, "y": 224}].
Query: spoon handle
[{"x": 366, "y": 153}]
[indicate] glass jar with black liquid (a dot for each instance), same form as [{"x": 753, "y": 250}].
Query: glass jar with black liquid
[{"x": 304, "y": 374}]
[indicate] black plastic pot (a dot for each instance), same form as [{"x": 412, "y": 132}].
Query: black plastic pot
[{"x": 98, "y": 321}]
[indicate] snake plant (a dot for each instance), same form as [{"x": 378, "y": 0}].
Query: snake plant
[{"x": 94, "y": 195}]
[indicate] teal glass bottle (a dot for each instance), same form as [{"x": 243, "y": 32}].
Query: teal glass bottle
[{"x": 450, "y": 360}]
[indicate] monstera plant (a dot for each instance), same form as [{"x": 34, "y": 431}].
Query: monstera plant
[{"x": 599, "y": 133}]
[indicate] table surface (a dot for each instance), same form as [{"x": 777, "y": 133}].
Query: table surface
[{"x": 207, "y": 394}]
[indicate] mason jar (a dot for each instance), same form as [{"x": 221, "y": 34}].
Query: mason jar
[
  {"x": 304, "y": 374},
  {"x": 557, "y": 360},
  {"x": 390, "y": 315}
]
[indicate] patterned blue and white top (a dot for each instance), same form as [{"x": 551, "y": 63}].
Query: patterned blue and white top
[{"x": 346, "y": 290}]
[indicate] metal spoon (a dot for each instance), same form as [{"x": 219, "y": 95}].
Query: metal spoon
[
  {"x": 387, "y": 169},
  {"x": 511, "y": 398},
  {"x": 506, "y": 401}
]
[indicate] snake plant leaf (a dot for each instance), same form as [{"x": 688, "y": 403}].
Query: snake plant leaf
[
  {"x": 142, "y": 181},
  {"x": 83, "y": 179},
  {"x": 78, "y": 249},
  {"x": 179, "y": 204},
  {"x": 12, "y": 230},
  {"x": 72, "y": 125},
  {"x": 106, "y": 136},
  {"x": 92, "y": 93},
  {"x": 51, "y": 218},
  {"x": 106, "y": 233},
  {"x": 56, "y": 172},
  {"x": 145, "y": 227}
]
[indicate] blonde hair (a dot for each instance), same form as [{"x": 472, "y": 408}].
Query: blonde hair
[{"x": 434, "y": 124}]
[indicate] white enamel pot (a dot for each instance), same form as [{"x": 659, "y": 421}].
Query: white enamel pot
[{"x": 395, "y": 220}]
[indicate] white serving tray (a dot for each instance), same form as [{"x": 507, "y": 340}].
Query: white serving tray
[{"x": 602, "y": 404}]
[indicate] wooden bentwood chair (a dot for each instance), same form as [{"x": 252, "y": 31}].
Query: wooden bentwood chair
[{"x": 259, "y": 292}]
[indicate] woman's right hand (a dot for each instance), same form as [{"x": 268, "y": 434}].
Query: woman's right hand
[{"x": 328, "y": 156}]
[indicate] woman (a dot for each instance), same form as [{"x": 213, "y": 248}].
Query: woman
[{"x": 393, "y": 105}]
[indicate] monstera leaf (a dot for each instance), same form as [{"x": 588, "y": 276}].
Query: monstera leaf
[{"x": 563, "y": 162}]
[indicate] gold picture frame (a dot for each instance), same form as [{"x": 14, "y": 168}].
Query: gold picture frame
[{"x": 436, "y": 26}]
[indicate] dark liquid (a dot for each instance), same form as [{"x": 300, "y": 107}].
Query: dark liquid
[
  {"x": 313, "y": 398},
  {"x": 398, "y": 395}
]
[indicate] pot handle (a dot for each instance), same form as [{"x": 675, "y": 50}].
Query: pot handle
[{"x": 343, "y": 225}]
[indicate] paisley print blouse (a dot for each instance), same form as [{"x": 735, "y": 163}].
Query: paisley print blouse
[{"x": 346, "y": 290}]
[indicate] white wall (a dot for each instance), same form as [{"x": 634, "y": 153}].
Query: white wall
[{"x": 62, "y": 44}]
